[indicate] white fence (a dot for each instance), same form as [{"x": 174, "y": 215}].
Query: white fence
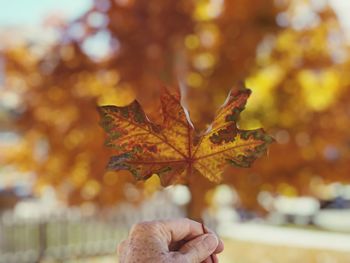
[{"x": 70, "y": 234}]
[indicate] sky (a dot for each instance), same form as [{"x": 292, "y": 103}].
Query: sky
[
  {"x": 342, "y": 8},
  {"x": 32, "y": 12}
]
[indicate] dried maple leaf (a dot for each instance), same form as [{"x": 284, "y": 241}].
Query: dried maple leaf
[{"x": 173, "y": 150}]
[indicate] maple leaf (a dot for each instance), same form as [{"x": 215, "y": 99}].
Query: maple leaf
[{"x": 173, "y": 150}]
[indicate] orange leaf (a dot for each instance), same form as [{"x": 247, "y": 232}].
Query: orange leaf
[{"x": 174, "y": 150}]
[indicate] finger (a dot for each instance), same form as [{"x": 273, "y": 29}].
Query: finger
[
  {"x": 221, "y": 246},
  {"x": 186, "y": 229},
  {"x": 181, "y": 229},
  {"x": 121, "y": 247},
  {"x": 200, "y": 248},
  {"x": 212, "y": 259}
]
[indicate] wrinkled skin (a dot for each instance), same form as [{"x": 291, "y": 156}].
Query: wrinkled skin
[{"x": 180, "y": 241}]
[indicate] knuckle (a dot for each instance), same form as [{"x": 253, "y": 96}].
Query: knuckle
[
  {"x": 160, "y": 223},
  {"x": 142, "y": 227},
  {"x": 137, "y": 227},
  {"x": 187, "y": 221}
]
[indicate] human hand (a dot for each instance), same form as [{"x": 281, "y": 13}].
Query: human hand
[{"x": 170, "y": 241}]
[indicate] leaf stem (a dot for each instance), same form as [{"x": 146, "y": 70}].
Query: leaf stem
[{"x": 205, "y": 232}]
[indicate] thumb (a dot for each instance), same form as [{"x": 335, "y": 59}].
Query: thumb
[{"x": 200, "y": 248}]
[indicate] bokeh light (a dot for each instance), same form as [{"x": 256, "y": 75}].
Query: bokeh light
[{"x": 59, "y": 60}]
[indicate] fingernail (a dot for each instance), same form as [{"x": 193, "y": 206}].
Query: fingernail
[{"x": 211, "y": 241}]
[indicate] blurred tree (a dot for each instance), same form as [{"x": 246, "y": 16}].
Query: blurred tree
[
  {"x": 300, "y": 93},
  {"x": 125, "y": 49},
  {"x": 59, "y": 123}
]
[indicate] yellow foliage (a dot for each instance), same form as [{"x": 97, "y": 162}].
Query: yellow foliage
[{"x": 320, "y": 89}]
